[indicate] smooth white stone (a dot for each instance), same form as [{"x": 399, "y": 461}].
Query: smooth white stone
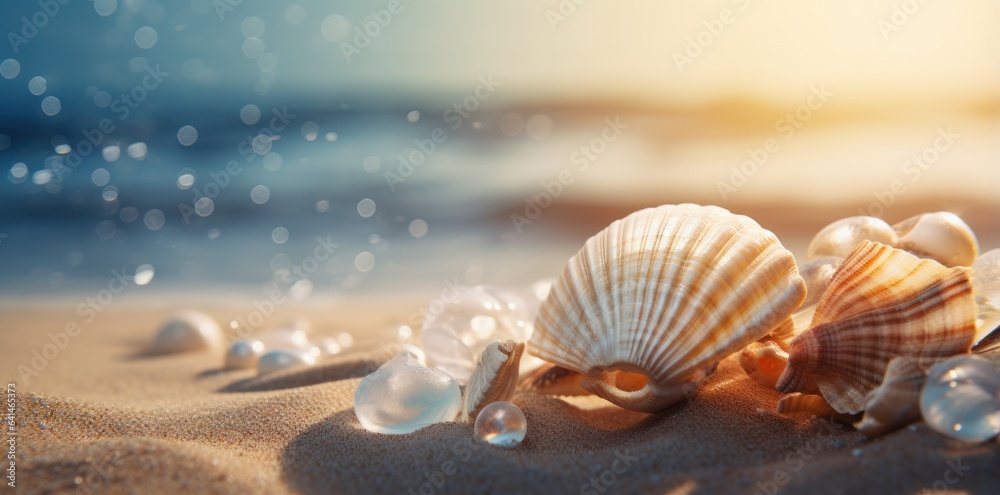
[
  {"x": 244, "y": 354},
  {"x": 838, "y": 239},
  {"x": 941, "y": 236},
  {"x": 279, "y": 359},
  {"x": 187, "y": 331},
  {"x": 402, "y": 396},
  {"x": 961, "y": 398},
  {"x": 502, "y": 424}
]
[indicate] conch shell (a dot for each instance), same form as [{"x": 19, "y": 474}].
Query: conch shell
[
  {"x": 494, "y": 378},
  {"x": 882, "y": 303},
  {"x": 654, "y": 300},
  {"x": 895, "y": 403}
]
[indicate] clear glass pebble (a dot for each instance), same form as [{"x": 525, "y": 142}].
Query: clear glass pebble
[
  {"x": 501, "y": 424},
  {"x": 460, "y": 323},
  {"x": 961, "y": 398},
  {"x": 402, "y": 396},
  {"x": 244, "y": 354}
]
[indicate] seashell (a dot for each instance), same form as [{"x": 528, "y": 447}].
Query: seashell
[
  {"x": 791, "y": 328},
  {"x": 494, "y": 378},
  {"x": 896, "y": 402},
  {"x": 764, "y": 362},
  {"x": 961, "y": 398},
  {"x": 817, "y": 274},
  {"x": 940, "y": 236},
  {"x": 187, "y": 331},
  {"x": 841, "y": 237},
  {"x": 882, "y": 303},
  {"x": 657, "y": 298},
  {"x": 986, "y": 286},
  {"x": 552, "y": 380},
  {"x": 244, "y": 354},
  {"x": 804, "y": 404}
]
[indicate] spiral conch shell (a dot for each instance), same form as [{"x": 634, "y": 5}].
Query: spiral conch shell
[
  {"x": 654, "y": 300},
  {"x": 882, "y": 303}
]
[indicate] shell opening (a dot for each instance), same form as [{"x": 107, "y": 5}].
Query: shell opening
[{"x": 628, "y": 386}]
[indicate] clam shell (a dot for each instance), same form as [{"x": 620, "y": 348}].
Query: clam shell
[
  {"x": 896, "y": 402},
  {"x": 494, "y": 378},
  {"x": 660, "y": 295},
  {"x": 841, "y": 237},
  {"x": 882, "y": 303},
  {"x": 941, "y": 236}
]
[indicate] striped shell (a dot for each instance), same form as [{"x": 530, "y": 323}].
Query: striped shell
[
  {"x": 882, "y": 303},
  {"x": 661, "y": 295}
]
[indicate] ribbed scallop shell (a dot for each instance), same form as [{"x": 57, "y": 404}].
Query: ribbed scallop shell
[
  {"x": 882, "y": 303},
  {"x": 664, "y": 293}
]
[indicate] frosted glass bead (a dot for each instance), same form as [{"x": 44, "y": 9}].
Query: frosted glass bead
[
  {"x": 961, "y": 398},
  {"x": 402, "y": 396}
]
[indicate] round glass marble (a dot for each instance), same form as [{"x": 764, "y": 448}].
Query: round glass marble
[
  {"x": 501, "y": 424},
  {"x": 961, "y": 398}
]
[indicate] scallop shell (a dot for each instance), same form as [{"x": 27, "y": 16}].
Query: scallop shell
[
  {"x": 494, "y": 378},
  {"x": 841, "y": 237},
  {"x": 896, "y": 402},
  {"x": 817, "y": 274},
  {"x": 660, "y": 295},
  {"x": 941, "y": 236},
  {"x": 552, "y": 380},
  {"x": 882, "y": 303}
]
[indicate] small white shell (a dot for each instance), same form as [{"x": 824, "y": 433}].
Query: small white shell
[
  {"x": 764, "y": 362},
  {"x": 244, "y": 354},
  {"x": 494, "y": 378},
  {"x": 187, "y": 331},
  {"x": 896, "y": 402},
  {"x": 941, "y": 236},
  {"x": 841, "y": 237},
  {"x": 657, "y": 298},
  {"x": 804, "y": 404}
]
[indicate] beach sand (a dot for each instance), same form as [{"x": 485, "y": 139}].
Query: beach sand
[{"x": 101, "y": 417}]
